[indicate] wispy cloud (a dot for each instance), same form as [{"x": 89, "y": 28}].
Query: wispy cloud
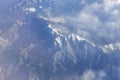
[
  {"x": 87, "y": 75},
  {"x": 98, "y": 22}
]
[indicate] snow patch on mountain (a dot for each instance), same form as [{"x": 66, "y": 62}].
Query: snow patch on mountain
[{"x": 111, "y": 47}]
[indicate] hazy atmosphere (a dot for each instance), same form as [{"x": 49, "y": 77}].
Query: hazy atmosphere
[{"x": 59, "y": 39}]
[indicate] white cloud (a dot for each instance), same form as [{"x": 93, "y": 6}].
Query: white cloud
[
  {"x": 57, "y": 20},
  {"x": 96, "y": 22},
  {"x": 93, "y": 75},
  {"x": 88, "y": 75},
  {"x": 116, "y": 12},
  {"x": 110, "y": 4}
]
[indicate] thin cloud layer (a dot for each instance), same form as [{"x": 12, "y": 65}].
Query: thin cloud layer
[{"x": 96, "y": 21}]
